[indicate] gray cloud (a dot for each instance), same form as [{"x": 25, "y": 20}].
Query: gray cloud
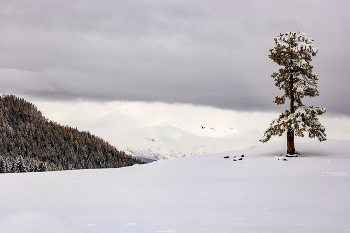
[{"x": 200, "y": 52}]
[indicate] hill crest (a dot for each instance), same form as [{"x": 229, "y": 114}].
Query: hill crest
[{"x": 30, "y": 142}]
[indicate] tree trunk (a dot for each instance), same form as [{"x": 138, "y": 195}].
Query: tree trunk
[
  {"x": 290, "y": 133},
  {"x": 290, "y": 142}
]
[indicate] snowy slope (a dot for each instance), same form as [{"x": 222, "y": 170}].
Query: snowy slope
[
  {"x": 203, "y": 193},
  {"x": 166, "y": 139}
]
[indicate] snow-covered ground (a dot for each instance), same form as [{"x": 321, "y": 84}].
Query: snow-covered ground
[{"x": 203, "y": 193}]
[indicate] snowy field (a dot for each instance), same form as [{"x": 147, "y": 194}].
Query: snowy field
[{"x": 205, "y": 193}]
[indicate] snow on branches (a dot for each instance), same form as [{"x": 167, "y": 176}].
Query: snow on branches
[
  {"x": 303, "y": 119},
  {"x": 294, "y": 52},
  {"x": 298, "y": 40}
]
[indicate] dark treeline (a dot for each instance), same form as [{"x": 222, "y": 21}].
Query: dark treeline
[{"x": 29, "y": 142}]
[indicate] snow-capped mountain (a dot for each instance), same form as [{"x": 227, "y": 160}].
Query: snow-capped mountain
[{"x": 165, "y": 140}]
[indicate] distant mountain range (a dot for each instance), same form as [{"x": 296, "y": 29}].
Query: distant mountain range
[{"x": 165, "y": 140}]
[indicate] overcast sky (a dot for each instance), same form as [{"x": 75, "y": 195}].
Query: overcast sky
[{"x": 212, "y": 53}]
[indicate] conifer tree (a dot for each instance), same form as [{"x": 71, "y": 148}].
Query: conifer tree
[
  {"x": 2, "y": 165},
  {"x": 294, "y": 52},
  {"x": 41, "y": 167}
]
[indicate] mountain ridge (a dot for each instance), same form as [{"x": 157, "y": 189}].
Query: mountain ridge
[
  {"x": 167, "y": 140},
  {"x": 30, "y": 142}
]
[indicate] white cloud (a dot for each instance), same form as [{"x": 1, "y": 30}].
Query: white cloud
[{"x": 83, "y": 114}]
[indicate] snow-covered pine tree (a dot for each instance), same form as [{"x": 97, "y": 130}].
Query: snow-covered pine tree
[
  {"x": 2, "y": 165},
  {"x": 41, "y": 167},
  {"x": 9, "y": 165},
  {"x": 294, "y": 52},
  {"x": 20, "y": 164}
]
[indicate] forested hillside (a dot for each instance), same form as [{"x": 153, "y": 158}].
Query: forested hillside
[{"x": 29, "y": 142}]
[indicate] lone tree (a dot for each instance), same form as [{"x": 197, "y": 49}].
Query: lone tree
[{"x": 293, "y": 51}]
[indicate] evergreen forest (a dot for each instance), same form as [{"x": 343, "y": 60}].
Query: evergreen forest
[{"x": 30, "y": 143}]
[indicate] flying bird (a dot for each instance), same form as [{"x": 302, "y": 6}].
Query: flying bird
[
  {"x": 202, "y": 127},
  {"x": 213, "y": 128},
  {"x": 230, "y": 127}
]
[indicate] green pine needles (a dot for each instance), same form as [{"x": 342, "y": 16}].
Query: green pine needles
[{"x": 294, "y": 52}]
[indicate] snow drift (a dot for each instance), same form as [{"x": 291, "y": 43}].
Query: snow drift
[{"x": 204, "y": 193}]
